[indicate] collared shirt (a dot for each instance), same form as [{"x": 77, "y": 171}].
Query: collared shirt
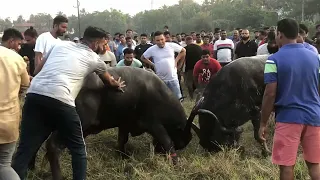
[
  {"x": 246, "y": 49},
  {"x": 13, "y": 75},
  {"x": 296, "y": 71}
]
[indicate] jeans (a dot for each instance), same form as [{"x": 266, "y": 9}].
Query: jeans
[
  {"x": 41, "y": 116},
  {"x": 174, "y": 87},
  {"x": 6, "y": 171}
]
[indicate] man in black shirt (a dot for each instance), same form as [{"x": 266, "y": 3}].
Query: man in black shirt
[
  {"x": 246, "y": 47},
  {"x": 194, "y": 53},
  {"x": 142, "y": 47},
  {"x": 27, "y": 49}
]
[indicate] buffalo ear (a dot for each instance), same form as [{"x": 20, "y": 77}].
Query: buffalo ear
[{"x": 196, "y": 129}]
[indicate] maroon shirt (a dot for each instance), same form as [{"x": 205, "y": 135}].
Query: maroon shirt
[{"x": 204, "y": 72}]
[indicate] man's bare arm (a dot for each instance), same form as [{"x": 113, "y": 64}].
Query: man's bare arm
[
  {"x": 147, "y": 61},
  {"x": 180, "y": 56},
  {"x": 38, "y": 58},
  {"x": 268, "y": 102},
  {"x": 39, "y": 66}
]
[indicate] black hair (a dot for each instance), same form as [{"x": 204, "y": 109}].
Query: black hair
[
  {"x": 117, "y": 33},
  {"x": 205, "y": 52},
  {"x": 121, "y": 34},
  {"x": 59, "y": 19},
  {"x": 223, "y": 30},
  {"x": 289, "y": 27},
  {"x": 256, "y": 31},
  {"x": 303, "y": 28},
  {"x": 128, "y": 30},
  {"x": 238, "y": 29},
  {"x": 158, "y": 33},
  {"x": 166, "y": 27},
  {"x": 183, "y": 33},
  {"x": 264, "y": 33},
  {"x": 127, "y": 38},
  {"x": 31, "y": 32},
  {"x": 266, "y": 28},
  {"x": 178, "y": 34},
  {"x": 11, "y": 33},
  {"x": 92, "y": 33},
  {"x": 128, "y": 51},
  {"x": 198, "y": 34},
  {"x": 202, "y": 30},
  {"x": 217, "y": 30},
  {"x": 271, "y": 36},
  {"x": 143, "y": 35},
  {"x": 167, "y": 33},
  {"x": 206, "y": 37}
]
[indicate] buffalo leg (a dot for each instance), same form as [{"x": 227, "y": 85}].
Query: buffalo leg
[
  {"x": 160, "y": 134},
  {"x": 256, "y": 125},
  {"x": 53, "y": 154},
  {"x": 123, "y": 137}
]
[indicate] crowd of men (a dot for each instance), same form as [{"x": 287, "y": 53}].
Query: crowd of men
[{"x": 57, "y": 69}]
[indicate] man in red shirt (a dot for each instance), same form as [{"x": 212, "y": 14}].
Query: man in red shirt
[
  {"x": 207, "y": 46},
  {"x": 204, "y": 70}
]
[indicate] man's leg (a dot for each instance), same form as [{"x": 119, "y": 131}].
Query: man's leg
[
  {"x": 189, "y": 83},
  {"x": 6, "y": 171},
  {"x": 35, "y": 129},
  {"x": 69, "y": 128},
  {"x": 310, "y": 142},
  {"x": 175, "y": 88},
  {"x": 285, "y": 147}
]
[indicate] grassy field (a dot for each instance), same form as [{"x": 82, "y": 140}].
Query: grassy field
[{"x": 194, "y": 162}]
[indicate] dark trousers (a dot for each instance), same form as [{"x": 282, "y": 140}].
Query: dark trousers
[{"x": 42, "y": 115}]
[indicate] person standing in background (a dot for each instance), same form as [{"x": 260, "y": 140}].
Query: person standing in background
[
  {"x": 46, "y": 41},
  {"x": 27, "y": 49}
]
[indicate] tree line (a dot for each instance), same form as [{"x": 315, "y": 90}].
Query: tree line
[{"x": 187, "y": 16}]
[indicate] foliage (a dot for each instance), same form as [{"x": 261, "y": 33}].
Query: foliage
[{"x": 185, "y": 16}]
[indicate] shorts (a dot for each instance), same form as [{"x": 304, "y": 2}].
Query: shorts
[
  {"x": 287, "y": 138},
  {"x": 174, "y": 87}
]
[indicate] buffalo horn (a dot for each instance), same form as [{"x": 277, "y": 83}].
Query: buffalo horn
[
  {"x": 196, "y": 129},
  {"x": 204, "y": 111}
]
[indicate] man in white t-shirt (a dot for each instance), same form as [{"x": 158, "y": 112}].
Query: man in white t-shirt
[
  {"x": 164, "y": 62},
  {"x": 46, "y": 41},
  {"x": 107, "y": 56},
  {"x": 223, "y": 49},
  {"x": 50, "y": 101}
]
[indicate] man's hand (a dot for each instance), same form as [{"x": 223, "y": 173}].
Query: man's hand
[
  {"x": 117, "y": 83},
  {"x": 263, "y": 133}
]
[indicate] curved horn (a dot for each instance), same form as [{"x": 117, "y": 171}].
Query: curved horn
[
  {"x": 204, "y": 111},
  {"x": 193, "y": 114},
  {"x": 196, "y": 129}
]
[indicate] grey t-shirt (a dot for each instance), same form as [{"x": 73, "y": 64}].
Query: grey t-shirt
[{"x": 63, "y": 74}]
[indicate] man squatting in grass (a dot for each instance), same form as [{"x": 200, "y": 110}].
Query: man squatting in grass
[
  {"x": 50, "y": 100},
  {"x": 292, "y": 89}
]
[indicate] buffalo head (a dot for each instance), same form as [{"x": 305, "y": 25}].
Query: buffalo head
[{"x": 212, "y": 134}]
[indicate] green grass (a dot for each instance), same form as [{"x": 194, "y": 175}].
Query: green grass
[{"x": 194, "y": 162}]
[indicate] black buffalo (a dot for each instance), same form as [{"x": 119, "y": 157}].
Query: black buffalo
[
  {"x": 146, "y": 105},
  {"x": 232, "y": 98}
]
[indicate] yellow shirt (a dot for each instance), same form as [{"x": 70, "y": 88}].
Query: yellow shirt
[{"x": 13, "y": 76}]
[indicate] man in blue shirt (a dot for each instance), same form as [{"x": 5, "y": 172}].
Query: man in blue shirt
[{"x": 292, "y": 83}]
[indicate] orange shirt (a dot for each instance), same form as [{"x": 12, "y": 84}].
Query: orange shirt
[{"x": 13, "y": 76}]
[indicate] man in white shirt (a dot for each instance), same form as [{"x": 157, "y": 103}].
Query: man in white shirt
[
  {"x": 50, "y": 101},
  {"x": 107, "y": 56},
  {"x": 164, "y": 63},
  {"x": 223, "y": 49},
  {"x": 46, "y": 41}
]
